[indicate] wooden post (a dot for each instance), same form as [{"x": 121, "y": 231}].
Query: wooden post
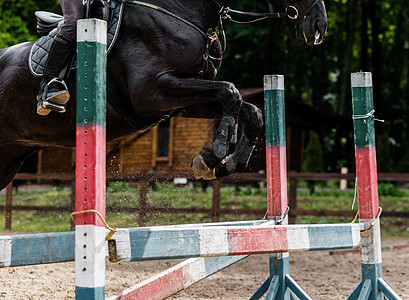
[
  {"x": 276, "y": 171},
  {"x": 276, "y": 163},
  {"x": 367, "y": 186},
  {"x": 9, "y": 207},
  {"x": 72, "y": 202},
  {"x": 216, "y": 201},
  {"x": 91, "y": 159},
  {"x": 143, "y": 184},
  {"x": 292, "y": 199},
  {"x": 279, "y": 285}
]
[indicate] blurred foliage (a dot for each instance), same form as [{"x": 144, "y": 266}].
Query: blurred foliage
[
  {"x": 18, "y": 23},
  {"x": 368, "y": 35},
  {"x": 313, "y": 161}
]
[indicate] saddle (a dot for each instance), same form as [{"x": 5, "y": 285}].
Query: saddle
[{"x": 49, "y": 24}]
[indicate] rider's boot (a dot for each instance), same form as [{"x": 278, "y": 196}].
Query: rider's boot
[{"x": 54, "y": 93}]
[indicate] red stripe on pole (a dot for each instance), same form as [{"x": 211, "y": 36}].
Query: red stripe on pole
[
  {"x": 90, "y": 174},
  {"x": 276, "y": 180},
  {"x": 367, "y": 182},
  {"x": 157, "y": 289},
  {"x": 257, "y": 240}
]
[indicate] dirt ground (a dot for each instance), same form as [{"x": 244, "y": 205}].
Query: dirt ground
[{"x": 322, "y": 275}]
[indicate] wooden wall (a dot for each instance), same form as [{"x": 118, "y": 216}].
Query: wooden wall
[
  {"x": 137, "y": 152},
  {"x": 190, "y": 135},
  {"x": 56, "y": 160}
]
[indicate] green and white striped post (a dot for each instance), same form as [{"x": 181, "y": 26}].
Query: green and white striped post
[
  {"x": 279, "y": 285},
  {"x": 372, "y": 285},
  {"x": 90, "y": 159},
  {"x": 276, "y": 171}
]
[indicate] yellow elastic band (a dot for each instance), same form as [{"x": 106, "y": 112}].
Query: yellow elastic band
[
  {"x": 111, "y": 229},
  {"x": 373, "y": 223}
]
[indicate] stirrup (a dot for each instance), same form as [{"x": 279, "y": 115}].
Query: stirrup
[
  {"x": 60, "y": 96},
  {"x": 45, "y": 107}
]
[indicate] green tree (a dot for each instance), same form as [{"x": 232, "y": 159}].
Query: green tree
[
  {"x": 313, "y": 156},
  {"x": 368, "y": 35},
  {"x": 18, "y": 23}
]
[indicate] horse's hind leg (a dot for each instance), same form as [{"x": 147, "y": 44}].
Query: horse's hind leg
[{"x": 11, "y": 159}]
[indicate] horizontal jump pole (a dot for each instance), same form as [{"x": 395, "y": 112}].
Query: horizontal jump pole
[
  {"x": 34, "y": 249},
  {"x": 138, "y": 244},
  {"x": 186, "y": 273},
  {"x": 177, "y": 278},
  {"x": 44, "y": 248},
  {"x": 213, "y": 224},
  {"x": 169, "y": 242}
]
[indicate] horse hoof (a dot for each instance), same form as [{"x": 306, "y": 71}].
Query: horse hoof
[
  {"x": 211, "y": 175},
  {"x": 201, "y": 170}
]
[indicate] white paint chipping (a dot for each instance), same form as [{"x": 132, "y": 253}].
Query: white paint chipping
[
  {"x": 214, "y": 241},
  {"x": 371, "y": 252},
  {"x": 193, "y": 271},
  {"x": 298, "y": 238},
  {"x": 92, "y": 30},
  {"x": 274, "y": 82},
  {"x": 361, "y": 79},
  {"x": 89, "y": 256},
  {"x": 123, "y": 243},
  {"x": 5, "y": 251}
]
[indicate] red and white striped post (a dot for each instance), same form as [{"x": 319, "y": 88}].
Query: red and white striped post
[
  {"x": 372, "y": 285},
  {"x": 90, "y": 160},
  {"x": 277, "y": 284}
]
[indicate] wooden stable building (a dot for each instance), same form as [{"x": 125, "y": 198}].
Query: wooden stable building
[
  {"x": 169, "y": 146},
  {"x": 172, "y": 145}
]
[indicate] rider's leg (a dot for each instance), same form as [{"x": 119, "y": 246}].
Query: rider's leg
[
  {"x": 53, "y": 90},
  {"x": 73, "y": 10}
]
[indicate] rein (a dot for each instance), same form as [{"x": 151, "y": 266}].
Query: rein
[{"x": 291, "y": 12}]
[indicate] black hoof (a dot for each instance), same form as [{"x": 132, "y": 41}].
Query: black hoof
[
  {"x": 209, "y": 158},
  {"x": 221, "y": 171}
]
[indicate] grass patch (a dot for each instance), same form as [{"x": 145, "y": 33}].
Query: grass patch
[{"x": 122, "y": 195}]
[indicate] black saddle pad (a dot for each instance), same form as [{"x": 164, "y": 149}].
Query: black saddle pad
[{"x": 41, "y": 48}]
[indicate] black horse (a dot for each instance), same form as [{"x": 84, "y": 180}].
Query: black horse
[{"x": 159, "y": 67}]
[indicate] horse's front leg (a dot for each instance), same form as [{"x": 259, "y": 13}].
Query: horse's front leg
[
  {"x": 178, "y": 93},
  {"x": 208, "y": 165},
  {"x": 252, "y": 121},
  {"x": 205, "y": 163}
]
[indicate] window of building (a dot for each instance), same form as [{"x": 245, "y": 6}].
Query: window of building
[{"x": 163, "y": 139}]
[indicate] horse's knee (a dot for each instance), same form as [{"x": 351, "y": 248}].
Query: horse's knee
[
  {"x": 252, "y": 118},
  {"x": 232, "y": 99}
]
